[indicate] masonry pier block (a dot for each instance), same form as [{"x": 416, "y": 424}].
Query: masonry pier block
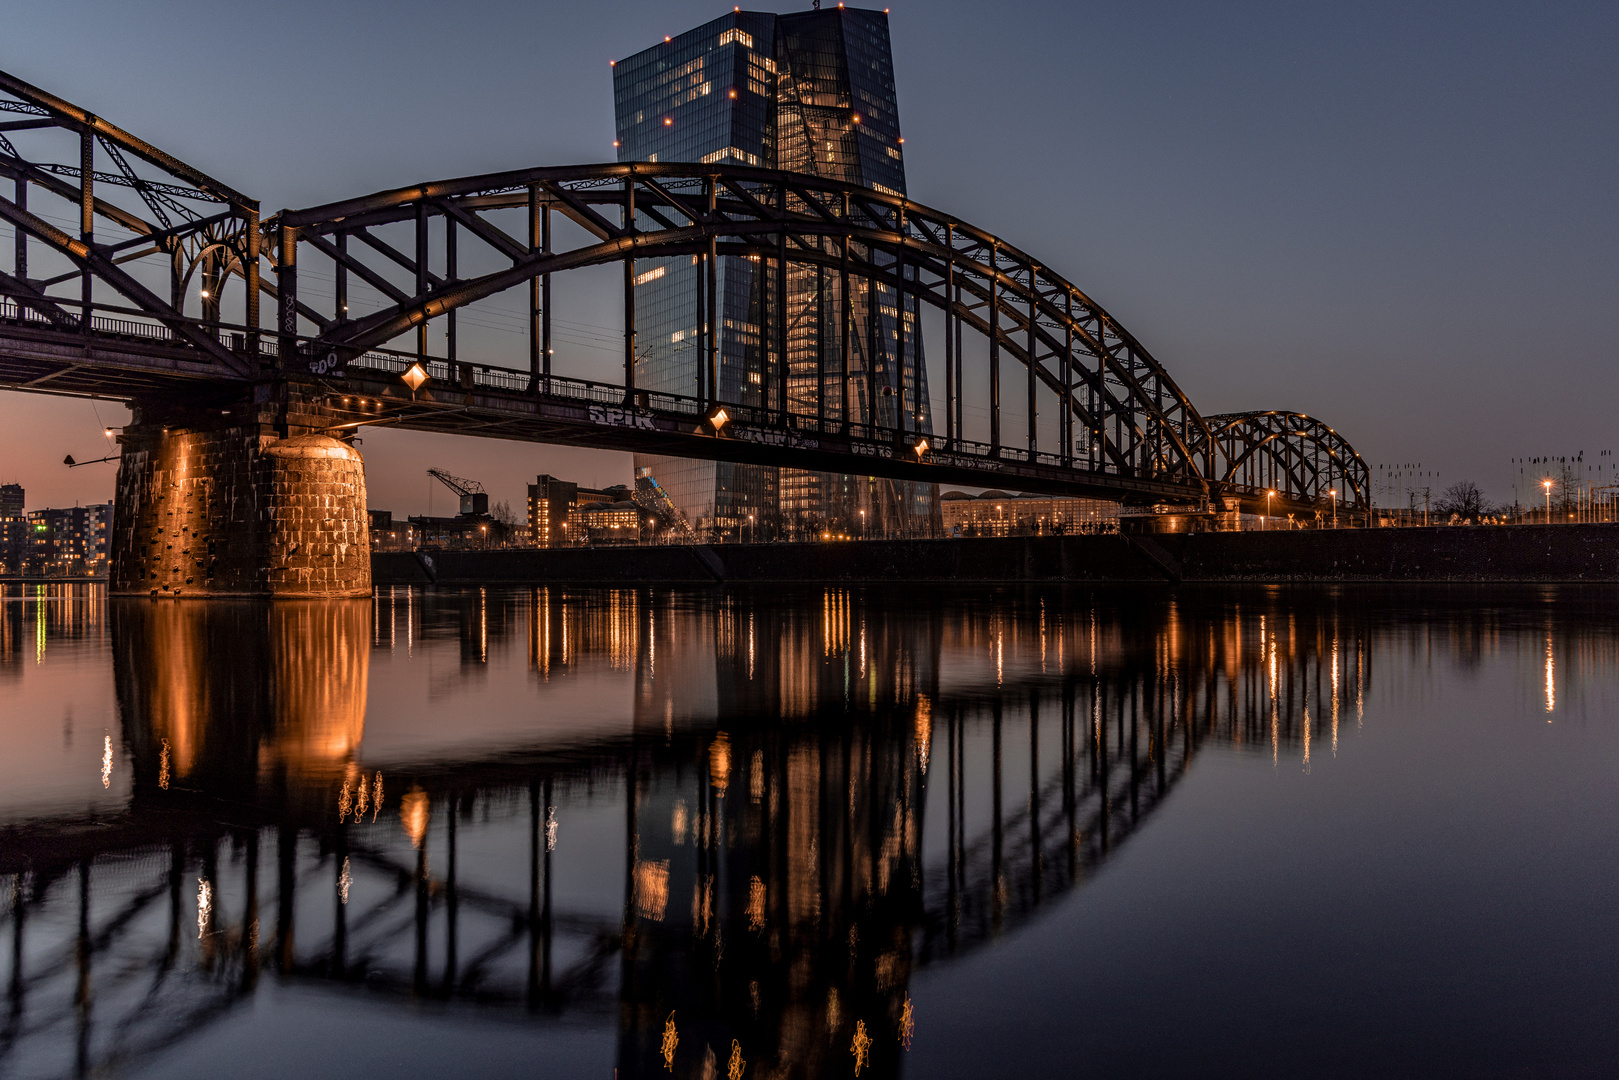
[{"x": 233, "y": 502}]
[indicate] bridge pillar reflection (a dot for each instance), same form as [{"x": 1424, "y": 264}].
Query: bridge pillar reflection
[{"x": 239, "y": 499}]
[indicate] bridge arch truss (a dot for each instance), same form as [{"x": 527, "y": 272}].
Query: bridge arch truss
[
  {"x": 1056, "y": 395},
  {"x": 1111, "y": 413},
  {"x": 1305, "y": 462}
]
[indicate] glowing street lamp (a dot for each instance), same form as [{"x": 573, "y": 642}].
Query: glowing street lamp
[
  {"x": 1547, "y": 484},
  {"x": 1334, "y": 508},
  {"x": 1269, "y": 495},
  {"x": 862, "y": 524}
]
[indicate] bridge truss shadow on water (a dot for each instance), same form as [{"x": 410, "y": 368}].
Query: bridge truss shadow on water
[{"x": 760, "y": 859}]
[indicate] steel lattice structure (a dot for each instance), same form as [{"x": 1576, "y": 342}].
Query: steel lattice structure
[
  {"x": 1297, "y": 456},
  {"x": 1096, "y": 413},
  {"x": 185, "y": 218}
]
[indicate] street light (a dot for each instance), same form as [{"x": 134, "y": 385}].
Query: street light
[
  {"x": 1269, "y": 495},
  {"x": 1547, "y": 484},
  {"x": 753, "y": 530},
  {"x": 862, "y": 524},
  {"x": 1334, "y": 508}
]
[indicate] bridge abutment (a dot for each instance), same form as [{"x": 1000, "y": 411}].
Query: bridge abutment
[{"x": 239, "y": 499}]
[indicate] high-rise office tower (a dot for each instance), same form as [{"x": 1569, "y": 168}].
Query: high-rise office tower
[{"x": 811, "y": 92}]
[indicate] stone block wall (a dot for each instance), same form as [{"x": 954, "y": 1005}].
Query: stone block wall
[{"x": 211, "y": 502}]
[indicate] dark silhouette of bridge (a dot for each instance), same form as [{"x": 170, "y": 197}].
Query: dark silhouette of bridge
[{"x": 163, "y": 309}]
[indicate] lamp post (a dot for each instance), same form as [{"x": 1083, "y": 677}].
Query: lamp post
[
  {"x": 1269, "y": 495},
  {"x": 1334, "y": 508},
  {"x": 1547, "y": 484},
  {"x": 862, "y": 524}
]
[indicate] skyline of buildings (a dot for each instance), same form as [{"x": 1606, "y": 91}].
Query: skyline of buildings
[{"x": 52, "y": 541}]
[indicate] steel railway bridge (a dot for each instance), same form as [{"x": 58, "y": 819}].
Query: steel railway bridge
[{"x": 136, "y": 276}]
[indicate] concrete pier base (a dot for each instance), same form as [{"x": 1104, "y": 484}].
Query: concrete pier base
[{"x": 238, "y": 500}]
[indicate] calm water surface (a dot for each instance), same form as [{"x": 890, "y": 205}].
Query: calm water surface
[{"x": 811, "y": 833}]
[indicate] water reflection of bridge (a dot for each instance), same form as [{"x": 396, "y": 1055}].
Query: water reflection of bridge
[{"x": 777, "y": 878}]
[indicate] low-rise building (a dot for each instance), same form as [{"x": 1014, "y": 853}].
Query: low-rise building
[
  {"x": 390, "y": 535},
  {"x": 1001, "y": 513}
]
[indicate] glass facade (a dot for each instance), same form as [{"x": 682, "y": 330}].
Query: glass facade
[{"x": 811, "y": 92}]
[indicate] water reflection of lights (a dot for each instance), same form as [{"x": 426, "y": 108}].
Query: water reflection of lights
[
  {"x": 652, "y": 888},
  {"x": 205, "y": 906},
  {"x": 671, "y": 1039},
  {"x": 413, "y": 815},
  {"x": 1551, "y": 681},
  {"x": 924, "y": 731},
  {"x": 344, "y": 881},
  {"x": 860, "y": 1047},
  {"x": 907, "y": 1023},
  {"x": 719, "y": 763},
  {"x": 106, "y": 761},
  {"x": 736, "y": 1066},
  {"x": 756, "y": 903},
  {"x": 550, "y": 828},
  {"x": 163, "y": 766}
]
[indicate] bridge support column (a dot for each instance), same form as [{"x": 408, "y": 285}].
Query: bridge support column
[{"x": 239, "y": 499}]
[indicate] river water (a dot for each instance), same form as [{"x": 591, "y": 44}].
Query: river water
[{"x": 805, "y": 832}]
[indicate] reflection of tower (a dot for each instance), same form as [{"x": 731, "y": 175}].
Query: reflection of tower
[
  {"x": 811, "y": 92},
  {"x": 220, "y": 696},
  {"x": 775, "y": 886}
]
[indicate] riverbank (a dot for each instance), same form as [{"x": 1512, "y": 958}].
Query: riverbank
[{"x": 1508, "y": 553}]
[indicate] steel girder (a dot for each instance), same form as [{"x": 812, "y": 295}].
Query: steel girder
[
  {"x": 1117, "y": 410},
  {"x": 1297, "y": 456},
  {"x": 183, "y": 214}
]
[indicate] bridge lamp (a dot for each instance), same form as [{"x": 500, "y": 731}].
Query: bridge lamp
[
  {"x": 718, "y": 418},
  {"x": 414, "y": 376},
  {"x": 921, "y": 448}
]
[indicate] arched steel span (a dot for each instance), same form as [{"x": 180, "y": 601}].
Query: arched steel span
[
  {"x": 186, "y": 216},
  {"x": 1118, "y": 413},
  {"x": 1115, "y": 422},
  {"x": 1297, "y": 456}
]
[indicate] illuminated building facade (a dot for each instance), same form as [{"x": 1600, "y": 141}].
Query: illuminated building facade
[
  {"x": 1000, "y": 513},
  {"x": 550, "y": 501},
  {"x": 810, "y": 92},
  {"x": 72, "y": 540}
]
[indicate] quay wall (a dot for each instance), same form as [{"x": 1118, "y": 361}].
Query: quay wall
[{"x": 1512, "y": 553}]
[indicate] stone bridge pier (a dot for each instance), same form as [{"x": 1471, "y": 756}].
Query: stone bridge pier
[{"x": 240, "y": 496}]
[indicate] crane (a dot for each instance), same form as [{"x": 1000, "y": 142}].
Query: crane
[{"x": 474, "y": 499}]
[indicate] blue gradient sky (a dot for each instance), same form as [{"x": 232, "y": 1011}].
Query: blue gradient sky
[{"x": 1400, "y": 217}]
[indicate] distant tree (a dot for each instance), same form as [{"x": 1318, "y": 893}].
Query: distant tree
[
  {"x": 1464, "y": 500},
  {"x": 503, "y": 514}
]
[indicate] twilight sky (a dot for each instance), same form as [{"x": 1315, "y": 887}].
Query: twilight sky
[{"x": 1399, "y": 217}]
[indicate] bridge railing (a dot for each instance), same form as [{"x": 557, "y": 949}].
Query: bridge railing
[
  {"x": 13, "y": 312},
  {"x": 488, "y": 376},
  {"x": 473, "y": 375}
]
